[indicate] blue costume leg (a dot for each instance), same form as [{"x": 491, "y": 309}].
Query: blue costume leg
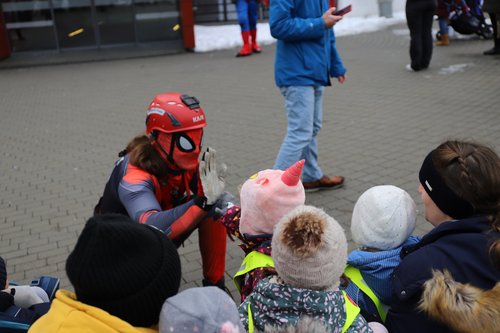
[
  {"x": 242, "y": 8},
  {"x": 253, "y": 16}
]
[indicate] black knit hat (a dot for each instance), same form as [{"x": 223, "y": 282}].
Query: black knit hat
[
  {"x": 125, "y": 268},
  {"x": 3, "y": 274}
]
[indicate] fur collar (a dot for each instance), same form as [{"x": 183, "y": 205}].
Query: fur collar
[{"x": 462, "y": 307}]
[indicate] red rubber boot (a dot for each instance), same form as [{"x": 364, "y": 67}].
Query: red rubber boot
[
  {"x": 255, "y": 46},
  {"x": 246, "y": 50}
]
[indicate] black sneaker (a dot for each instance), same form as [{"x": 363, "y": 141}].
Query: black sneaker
[{"x": 493, "y": 51}]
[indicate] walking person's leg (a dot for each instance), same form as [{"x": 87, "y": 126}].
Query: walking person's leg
[
  {"x": 413, "y": 19},
  {"x": 253, "y": 16},
  {"x": 495, "y": 22},
  {"x": 312, "y": 176},
  {"x": 444, "y": 39},
  {"x": 443, "y": 13},
  {"x": 312, "y": 171},
  {"x": 427, "y": 41},
  {"x": 299, "y": 108},
  {"x": 242, "y": 11}
]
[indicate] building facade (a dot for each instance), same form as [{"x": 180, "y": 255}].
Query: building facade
[
  {"x": 59, "y": 25},
  {"x": 39, "y": 25}
]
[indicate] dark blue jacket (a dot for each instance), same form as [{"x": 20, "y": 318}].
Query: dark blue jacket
[
  {"x": 306, "y": 54},
  {"x": 461, "y": 247},
  {"x": 11, "y": 313}
]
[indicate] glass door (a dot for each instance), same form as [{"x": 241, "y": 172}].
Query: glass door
[
  {"x": 30, "y": 25},
  {"x": 115, "y": 21},
  {"x": 64, "y": 24},
  {"x": 74, "y": 24},
  {"x": 157, "y": 20}
]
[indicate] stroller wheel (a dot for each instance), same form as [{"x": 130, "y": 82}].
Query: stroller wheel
[{"x": 485, "y": 31}]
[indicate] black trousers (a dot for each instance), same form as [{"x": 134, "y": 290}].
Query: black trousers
[
  {"x": 419, "y": 17},
  {"x": 495, "y": 22}
]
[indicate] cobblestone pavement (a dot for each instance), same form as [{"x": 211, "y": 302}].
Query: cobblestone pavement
[{"x": 62, "y": 126}]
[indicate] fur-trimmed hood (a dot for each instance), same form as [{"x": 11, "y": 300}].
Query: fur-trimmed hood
[{"x": 462, "y": 307}]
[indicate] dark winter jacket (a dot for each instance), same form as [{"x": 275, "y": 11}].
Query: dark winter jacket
[
  {"x": 491, "y": 6},
  {"x": 9, "y": 312},
  {"x": 275, "y": 304},
  {"x": 461, "y": 247}
]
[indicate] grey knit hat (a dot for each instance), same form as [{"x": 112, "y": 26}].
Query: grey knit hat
[
  {"x": 309, "y": 249},
  {"x": 204, "y": 309}
]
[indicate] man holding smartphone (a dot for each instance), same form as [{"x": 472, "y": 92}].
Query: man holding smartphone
[{"x": 306, "y": 58}]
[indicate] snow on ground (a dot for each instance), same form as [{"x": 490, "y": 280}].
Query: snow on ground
[{"x": 210, "y": 38}]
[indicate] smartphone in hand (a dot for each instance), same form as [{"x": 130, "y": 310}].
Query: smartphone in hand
[{"x": 343, "y": 11}]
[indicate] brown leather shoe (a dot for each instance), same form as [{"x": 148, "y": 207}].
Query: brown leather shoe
[{"x": 324, "y": 183}]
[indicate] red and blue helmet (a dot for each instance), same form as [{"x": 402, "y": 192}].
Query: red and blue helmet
[{"x": 174, "y": 112}]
